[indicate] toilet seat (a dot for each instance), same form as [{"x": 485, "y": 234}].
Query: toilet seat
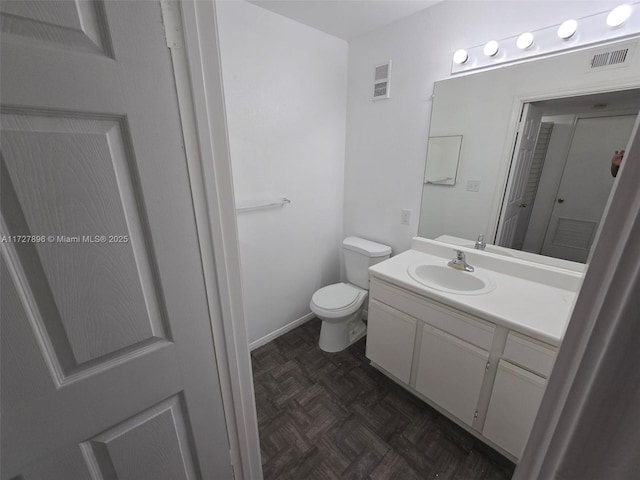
[{"x": 337, "y": 300}]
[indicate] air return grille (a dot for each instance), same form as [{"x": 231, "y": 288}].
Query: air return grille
[
  {"x": 382, "y": 72},
  {"x": 619, "y": 56},
  {"x": 603, "y": 59},
  {"x": 381, "y": 85}
]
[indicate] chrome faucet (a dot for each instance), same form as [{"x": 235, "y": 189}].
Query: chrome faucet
[
  {"x": 481, "y": 244},
  {"x": 460, "y": 262}
]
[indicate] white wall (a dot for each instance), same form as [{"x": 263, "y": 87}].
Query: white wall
[
  {"x": 285, "y": 92},
  {"x": 386, "y": 140}
]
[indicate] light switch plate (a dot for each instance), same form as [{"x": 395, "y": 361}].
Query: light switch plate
[
  {"x": 473, "y": 185},
  {"x": 406, "y": 217}
]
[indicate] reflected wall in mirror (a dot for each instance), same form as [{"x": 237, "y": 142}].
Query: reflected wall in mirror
[
  {"x": 496, "y": 110},
  {"x": 443, "y": 154}
]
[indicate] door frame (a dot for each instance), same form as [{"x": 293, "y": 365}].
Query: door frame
[
  {"x": 507, "y": 165},
  {"x": 192, "y": 37},
  {"x": 213, "y": 200}
]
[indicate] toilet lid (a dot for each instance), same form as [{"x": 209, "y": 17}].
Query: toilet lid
[{"x": 336, "y": 296}]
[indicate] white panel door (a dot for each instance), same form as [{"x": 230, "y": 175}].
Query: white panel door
[
  {"x": 451, "y": 372},
  {"x": 585, "y": 186},
  {"x": 512, "y": 229},
  {"x": 514, "y": 405},
  {"x": 108, "y": 364}
]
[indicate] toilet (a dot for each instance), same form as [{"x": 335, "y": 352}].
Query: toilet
[{"x": 340, "y": 305}]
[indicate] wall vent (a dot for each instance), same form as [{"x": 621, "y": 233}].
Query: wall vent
[
  {"x": 382, "y": 72},
  {"x": 600, "y": 60},
  {"x": 605, "y": 59},
  {"x": 609, "y": 58},
  {"x": 381, "y": 85}
]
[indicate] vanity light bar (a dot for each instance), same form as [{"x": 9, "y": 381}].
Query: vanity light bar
[
  {"x": 619, "y": 15},
  {"x": 525, "y": 41},
  {"x": 491, "y": 48},
  {"x": 619, "y": 23},
  {"x": 567, "y": 29}
]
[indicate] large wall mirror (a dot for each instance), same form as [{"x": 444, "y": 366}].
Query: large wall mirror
[{"x": 534, "y": 174}]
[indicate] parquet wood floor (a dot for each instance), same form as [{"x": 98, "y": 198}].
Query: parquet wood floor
[{"x": 333, "y": 416}]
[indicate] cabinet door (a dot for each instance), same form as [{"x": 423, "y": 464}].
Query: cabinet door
[
  {"x": 450, "y": 372},
  {"x": 514, "y": 404},
  {"x": 390, "y": 338}
]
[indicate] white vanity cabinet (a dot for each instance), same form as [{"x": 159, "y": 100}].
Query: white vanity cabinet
[
  {"x": 483, "y": 376},
  {"x": 391, "y": 335},
  {"x": 514, "y": 404},
  {"x": 517, "y": 392},
  {"x": 450, "y": 372},
  {"x": 449, "y": 360}
]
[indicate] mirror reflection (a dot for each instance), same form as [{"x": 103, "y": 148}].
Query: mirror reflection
[
  {"x": 443, "y": 154},
  {"x": 555, "y": 210},
  {"x": 535, "y": 171}
]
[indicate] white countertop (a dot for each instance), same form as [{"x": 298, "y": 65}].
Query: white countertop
[{"x": 535, "y": 300}]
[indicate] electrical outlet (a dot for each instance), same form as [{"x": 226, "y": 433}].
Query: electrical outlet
[
  {"x": 473, "y": 185},
  {"x": 406, "y": 217}
]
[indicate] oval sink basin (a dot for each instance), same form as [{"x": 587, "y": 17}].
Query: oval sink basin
[{"x": 451, "y": 280}]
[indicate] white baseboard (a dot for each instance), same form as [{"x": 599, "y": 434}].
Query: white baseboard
[{"x": 281, "y": 331}]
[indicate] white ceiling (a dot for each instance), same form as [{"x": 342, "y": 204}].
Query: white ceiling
[
  {"x": 602, "y": 102},
  {"x": 345, "y": 19}
]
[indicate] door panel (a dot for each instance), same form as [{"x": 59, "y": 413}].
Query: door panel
[
  {"x": 108, "y": 364},
  {"x": 24, "y": 371},
  {"x": 114, "y": 285},
  {"x": 585, "y": 186},
  {"x": 152, "y": 445},
  {"x": 511, "y": 231},
  {"x": 72, "y": 25}
]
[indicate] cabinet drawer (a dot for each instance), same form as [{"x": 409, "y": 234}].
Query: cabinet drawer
[
  {"x": 390, "y": 339},
  {"x": 535, "y": 356},
  {"x": 472, "y": 330},
  {"x": 514, "y": 404}
]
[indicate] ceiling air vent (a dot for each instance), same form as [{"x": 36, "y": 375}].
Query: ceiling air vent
[
  {"x": 600, "y": 60},
  {"x": 619, "y": 56}
]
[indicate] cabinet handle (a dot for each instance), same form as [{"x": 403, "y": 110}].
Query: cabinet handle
[
  {"x": 475, "y": 415},
  {"x": 488, "y": 366}
]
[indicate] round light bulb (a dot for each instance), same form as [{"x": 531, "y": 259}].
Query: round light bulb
[
  {"x": 618, "y": 16},
  {"x": 567, "y": 29},
  {"x": 491, "y": 48},
  {"x": 460, "y": 57},
  {"x": 525, "y": 41}
]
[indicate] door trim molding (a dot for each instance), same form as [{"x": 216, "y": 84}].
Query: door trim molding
[{"x": 198, "y": 78}]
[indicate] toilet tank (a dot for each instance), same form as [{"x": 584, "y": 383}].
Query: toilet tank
[{"x": 359, "y": 255}]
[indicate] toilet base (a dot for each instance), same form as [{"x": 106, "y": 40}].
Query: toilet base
[{"x": 336, "y": 336}]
